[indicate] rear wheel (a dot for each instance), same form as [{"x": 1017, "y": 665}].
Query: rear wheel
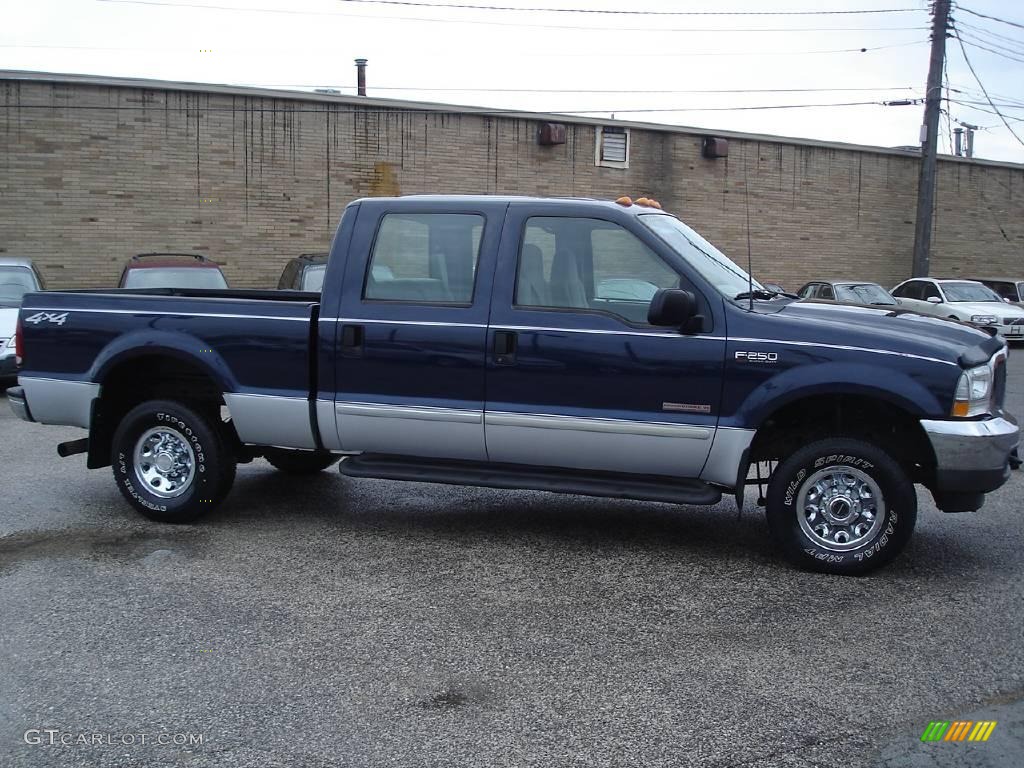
[
  {"x": 299, "y": 462},
  {"x": 841, "y": 506},
  {"x": 170, "y": 462}
]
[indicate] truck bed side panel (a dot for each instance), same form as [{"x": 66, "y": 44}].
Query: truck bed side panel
[{"x": 257, "y": 352}]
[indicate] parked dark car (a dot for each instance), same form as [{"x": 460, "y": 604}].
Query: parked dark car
[
  {"x": 848, "y": 292},
  {"x": 171, "y": 270},
  {"x": 304, "y": 273}
]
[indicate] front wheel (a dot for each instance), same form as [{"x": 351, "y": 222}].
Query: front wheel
[
  {"x": 171, "y": 463},
  {"x": 841, "y": 506}
]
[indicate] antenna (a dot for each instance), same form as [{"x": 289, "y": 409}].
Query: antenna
[{"x": 750, "y": 258}]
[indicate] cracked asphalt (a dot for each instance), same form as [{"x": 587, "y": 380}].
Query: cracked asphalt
[{"x": 338, "y": 622}]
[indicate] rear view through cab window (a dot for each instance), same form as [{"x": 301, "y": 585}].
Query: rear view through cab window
[{"x": 425, "y": 258}]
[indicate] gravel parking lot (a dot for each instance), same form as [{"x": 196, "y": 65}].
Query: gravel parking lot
[{"x": 370, "y": 623}]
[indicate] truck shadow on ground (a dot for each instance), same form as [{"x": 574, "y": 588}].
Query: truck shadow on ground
[{"x": 483, "y": 515}]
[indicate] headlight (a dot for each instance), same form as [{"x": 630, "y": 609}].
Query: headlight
[
  {"x": 12, "y": 342},
  {"x": 973, "y": 392},
  {"x": 984, "y": 319}
]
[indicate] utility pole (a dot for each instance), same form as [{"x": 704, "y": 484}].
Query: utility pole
[{"x": 929, "y": 142}]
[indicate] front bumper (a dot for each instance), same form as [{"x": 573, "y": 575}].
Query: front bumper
[
  {"x": 16, "y": 397},
  {"x": 972, "y": 457}
]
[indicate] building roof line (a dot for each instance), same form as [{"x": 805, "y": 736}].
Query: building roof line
[{"x": 457, "y": 109}]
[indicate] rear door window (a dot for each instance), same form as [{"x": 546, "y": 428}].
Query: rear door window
[{"x": 425, "y": 258}]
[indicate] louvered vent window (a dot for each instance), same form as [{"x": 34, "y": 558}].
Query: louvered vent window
[{"x": 613, "y": 147}]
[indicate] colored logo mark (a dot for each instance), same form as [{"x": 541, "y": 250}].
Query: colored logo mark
[{"x": 958, "y": 730}]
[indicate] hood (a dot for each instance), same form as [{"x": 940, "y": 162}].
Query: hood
[
  {"x": 8, "y": 321},
  {"x": 897, "y": 329},
  {"x": 999, "y": 309}
]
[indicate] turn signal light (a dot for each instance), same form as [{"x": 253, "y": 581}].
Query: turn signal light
[{"x": 961, "y": 409}]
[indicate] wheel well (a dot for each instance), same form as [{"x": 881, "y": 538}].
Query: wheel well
[
  {"x": 868, "y": 418},
  {"x": 149, "y": 377}
]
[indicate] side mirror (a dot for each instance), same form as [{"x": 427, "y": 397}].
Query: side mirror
[
  {"x": 933, "y": 300},
  {"x": 675, "y": 308}
]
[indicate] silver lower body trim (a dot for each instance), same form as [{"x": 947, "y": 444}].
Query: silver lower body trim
[
  {"x": 59, "y": 401},
  {"x": 972, "y": 445},
  {"x": 270, "y": 420},
  {"x": 435, "y": 432},
  {"x": 723, "y": 462},
  {"x": 609, "y": 445}
]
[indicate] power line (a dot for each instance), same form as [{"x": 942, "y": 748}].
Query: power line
[
  {"x": 999, "y": 50},
  {"x": 991, "y": 18},
  {"x": 478, "y": 110},
  {"x": 524, "y": 9},
  {"x": 483, "y": 22},
  {"x": 988, "y": 33},
  {"x": 970, "y": 66},
  {"x": 591, "y": 90},
  {"x": 602, "y": 54}
]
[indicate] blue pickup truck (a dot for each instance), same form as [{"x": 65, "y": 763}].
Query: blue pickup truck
[{"x": 577, "y": 346}]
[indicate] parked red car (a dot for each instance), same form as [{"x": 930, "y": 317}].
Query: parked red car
[{"x": 171, "y": 270}]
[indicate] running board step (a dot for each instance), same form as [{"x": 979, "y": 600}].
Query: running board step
[{"x": 521, "y": 476}]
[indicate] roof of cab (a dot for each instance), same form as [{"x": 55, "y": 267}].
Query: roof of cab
[{"x": 491, "y": 199}]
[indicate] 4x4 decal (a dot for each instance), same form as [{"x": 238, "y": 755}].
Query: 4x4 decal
[{"x": 57, "y": 318}]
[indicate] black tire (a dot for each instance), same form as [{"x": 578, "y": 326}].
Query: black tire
[
  {"x": 799, "y": 476},
  {"x": 300, "y": 462},
  {"x": 213, "y": 464}
]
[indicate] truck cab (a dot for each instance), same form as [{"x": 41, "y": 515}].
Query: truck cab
[{"x": 574, "y": 346}]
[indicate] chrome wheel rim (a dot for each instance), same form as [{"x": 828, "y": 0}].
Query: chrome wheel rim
[
  {"x": 165, "y": 464},
  {"x": 840, "y": 508}
]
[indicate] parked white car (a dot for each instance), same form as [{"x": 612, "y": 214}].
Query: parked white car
[
  {"x": 17, "y": 277},
  {"x": 965, "y": 300}
]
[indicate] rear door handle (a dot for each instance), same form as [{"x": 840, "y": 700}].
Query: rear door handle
[
  {"x": 352, "y": 337},
  {"x": 505, "y": 343}
]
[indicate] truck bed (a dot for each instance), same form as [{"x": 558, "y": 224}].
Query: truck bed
[{"x": 255, "y": 346}]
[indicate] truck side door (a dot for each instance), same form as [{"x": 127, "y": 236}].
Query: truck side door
[
  {"x": 576, "y": 377},
  {"x": 409, "y": 362}
]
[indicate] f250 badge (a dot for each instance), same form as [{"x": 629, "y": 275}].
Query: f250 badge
[
  {"x": 757, "y": 357},
  {"x": 57, "y": 318}
]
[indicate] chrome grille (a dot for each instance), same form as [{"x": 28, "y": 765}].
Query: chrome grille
[{"x": 1013, "y": 321}]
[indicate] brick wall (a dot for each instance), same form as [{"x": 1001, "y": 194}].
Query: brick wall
[{"x": 91, "y": 174}]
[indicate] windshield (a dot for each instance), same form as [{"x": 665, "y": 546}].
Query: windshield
[
  {"x": 175, "y": 277},
  {"x": 313, "y": 277},
  {"x": 15, "y": 282},
  {"x": 969, "y": 292},
  {"x": 713, "y": 265},
  {"x": 864, "y": 293}
]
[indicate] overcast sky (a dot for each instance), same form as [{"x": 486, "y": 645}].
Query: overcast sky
[{"x": 565, "y": 62}]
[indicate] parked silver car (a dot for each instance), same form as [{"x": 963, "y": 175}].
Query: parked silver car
[{"x": 849, "y": 292}]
